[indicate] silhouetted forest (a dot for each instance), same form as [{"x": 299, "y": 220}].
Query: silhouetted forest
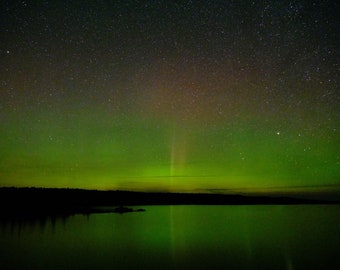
[{"x": 63, "y": 201}]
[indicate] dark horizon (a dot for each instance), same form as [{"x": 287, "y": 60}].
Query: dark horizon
[
  {"x": 330, "y": 193},
  {"x": 128, "y": 196}
]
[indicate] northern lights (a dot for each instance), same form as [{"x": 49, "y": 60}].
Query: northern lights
[{"x": 188, "y": 96}]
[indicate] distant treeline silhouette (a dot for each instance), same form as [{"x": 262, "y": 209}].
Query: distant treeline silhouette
[{"x": 27, "y": 201}]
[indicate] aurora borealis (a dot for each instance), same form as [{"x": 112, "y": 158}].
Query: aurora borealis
[{"x": 194, "y": 96}]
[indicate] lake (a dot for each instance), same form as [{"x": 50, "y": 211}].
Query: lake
[{"x": 178, "y": 237}]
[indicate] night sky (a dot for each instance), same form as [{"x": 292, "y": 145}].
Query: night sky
[{"x": 188, "y": 96}]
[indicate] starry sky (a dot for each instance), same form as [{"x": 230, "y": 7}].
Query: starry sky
[{"x": 186, "y": 96}]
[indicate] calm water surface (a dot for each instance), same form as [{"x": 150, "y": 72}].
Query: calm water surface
[{"x": 179, "y": 237}]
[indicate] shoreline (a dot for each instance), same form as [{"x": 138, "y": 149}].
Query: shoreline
[{"x": 27, "y": 202}]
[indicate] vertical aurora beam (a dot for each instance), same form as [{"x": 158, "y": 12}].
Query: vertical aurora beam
[{"x": 178, "y": 151}]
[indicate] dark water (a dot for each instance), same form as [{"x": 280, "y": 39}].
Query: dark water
[{"x": 179, "y": 237}]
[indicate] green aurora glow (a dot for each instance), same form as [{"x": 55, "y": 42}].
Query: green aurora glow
[
  {"x": 205, "y": 97},
  {"x": 94, "y": 150}
]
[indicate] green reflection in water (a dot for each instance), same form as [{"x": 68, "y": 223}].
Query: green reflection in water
[{"x": 180, "y": 237}]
